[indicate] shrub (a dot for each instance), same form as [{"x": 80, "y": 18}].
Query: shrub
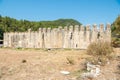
[{"x": 101, "y": 51}]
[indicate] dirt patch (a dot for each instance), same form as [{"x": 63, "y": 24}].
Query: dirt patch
[
  {"x": 38, "y": 64},
  {"x": 32, "y": 64}
]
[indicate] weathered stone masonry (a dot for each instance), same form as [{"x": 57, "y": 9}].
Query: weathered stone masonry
[{"x": 75, "y": 37}]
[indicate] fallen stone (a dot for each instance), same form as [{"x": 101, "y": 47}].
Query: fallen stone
[
  {"x": 65, "y": 72},
  {"x": 93, "y": 71}
]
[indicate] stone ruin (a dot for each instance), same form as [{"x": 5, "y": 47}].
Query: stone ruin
[{"x": 71, "y": 37}]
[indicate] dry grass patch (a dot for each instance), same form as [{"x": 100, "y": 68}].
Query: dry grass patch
[
  {"x": 40, "y": 64},
  {"x": 101, "y": 52}
]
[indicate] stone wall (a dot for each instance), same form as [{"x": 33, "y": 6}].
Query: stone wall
[{"x": 74, "y": 37}]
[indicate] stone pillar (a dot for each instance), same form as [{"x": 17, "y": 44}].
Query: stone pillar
[
  {"x": 63, "y": 36},
  {"x": 15, "y": 39},
  {"x": 18, "y": 38},
  {"x": 29, "y": 38},
  {"x": 23, "y": 39},
  {"x": 94, "y": 34},
  {"x": 101, "y": 34},
  {"x": 19, "y": 41},
  {"x": 39, "y": 38},
  {"x": 8, "y": 40},
  {"x": 44, "y": 38},
  {"x": 48, "y": 38},
  {"x": 70, "y": 36},
  {"x": 88, "y": 34},
  {"x": 59, "y": 37},
  {"x": 31, "y": 34},
  {"x": 52, "y": 37},
  {"x": 108, "y": 33},
  {"x": 55, "y": 41},
  {"x": 35, "y": 39},
  {"x": 82, "y": 37},
  {"x": 26, "y": 39},
  {"x": 5, "y": 40},
  {"x": 76, "y": 37},
  {"x": 11, "y": 38},
  {"x": 66, "y": 38}
]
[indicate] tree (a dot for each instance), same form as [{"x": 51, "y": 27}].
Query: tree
[
  {"x": 8, "y": 24},
  {"x": 116, "y": 25},
  {"x": 116, "y": 32}
]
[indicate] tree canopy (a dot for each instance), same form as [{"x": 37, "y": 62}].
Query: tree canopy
[
  {"x": 116, "y": 25},
  {"x": 8, "y": 24},
  {"x": 116, "y": 32}
]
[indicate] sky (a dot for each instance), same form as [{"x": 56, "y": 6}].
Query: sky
[{"x": 84, "y": 11}]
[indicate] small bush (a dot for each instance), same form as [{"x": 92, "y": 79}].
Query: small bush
[
  {"x": 101, "y": 51},
  {"x": 100, "y": 48}
]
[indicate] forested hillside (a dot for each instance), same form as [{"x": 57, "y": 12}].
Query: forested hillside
[
  {"x": 8, "y": 24},
  {"x": 116, "y": 32}
]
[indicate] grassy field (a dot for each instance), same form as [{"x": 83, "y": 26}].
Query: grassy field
[{"x": 31, "y": 64}]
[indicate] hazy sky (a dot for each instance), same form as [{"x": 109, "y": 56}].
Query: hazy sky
[{"x": 85, "y": 11}]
